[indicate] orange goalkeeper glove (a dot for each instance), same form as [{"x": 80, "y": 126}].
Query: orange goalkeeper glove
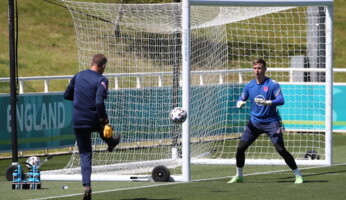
[{"x": 107, "y": 131}]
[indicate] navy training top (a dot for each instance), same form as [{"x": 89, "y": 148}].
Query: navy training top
[
  {"x": 87, "y": 89},
  {"x": 268, "y": 90}
]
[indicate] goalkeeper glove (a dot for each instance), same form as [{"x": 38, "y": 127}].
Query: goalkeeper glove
[
  {"x": 263, "y": 102},
  {"x": 107, "y": 131},
  {"x": 240, "y": 103}
]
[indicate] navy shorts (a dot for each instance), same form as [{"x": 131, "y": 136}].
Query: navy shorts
[{"x": 252, "y": 131}]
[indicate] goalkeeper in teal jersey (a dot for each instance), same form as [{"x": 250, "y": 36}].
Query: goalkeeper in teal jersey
[{"x": 265, "y": 95}]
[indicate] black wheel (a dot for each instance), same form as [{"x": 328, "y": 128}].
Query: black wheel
[
  {"x": 161, "y": 174},
  {"x": 311, "y": 155},
  {"x": 9, "y": 171}
]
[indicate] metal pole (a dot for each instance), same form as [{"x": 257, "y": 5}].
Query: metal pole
[
  {"x": 176, "y": 150},
  {"x": 329, "y": 85},
  {"x": 13, "y": 88},
  {"x": 186, "y": 50},
  {"x": 176, "y": 62}
]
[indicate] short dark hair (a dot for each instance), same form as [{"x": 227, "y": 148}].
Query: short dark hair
[
  {"x": 259, "y": 61},
  {"x": 99, "y": 60}
]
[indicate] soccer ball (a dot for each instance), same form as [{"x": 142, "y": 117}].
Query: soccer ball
[
  {"x": 33, "y": 161},
  {"x": 178, "y": 115}
]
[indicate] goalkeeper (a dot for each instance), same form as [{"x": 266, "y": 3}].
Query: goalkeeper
[
  {"x": 265, "y": 95},
  {"x": 88, "y": 89}
]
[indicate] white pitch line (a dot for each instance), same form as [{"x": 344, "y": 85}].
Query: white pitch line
[
  {"x": 104, "y": 191},
  {"x": 173, "y": 183}
]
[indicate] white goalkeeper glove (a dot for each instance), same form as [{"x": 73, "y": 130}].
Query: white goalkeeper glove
[
  {"x": 240, "y": 103},
  {"x": 263, "y": 102}
]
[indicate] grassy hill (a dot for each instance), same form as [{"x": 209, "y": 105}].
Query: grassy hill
[
  {"x": 339, "y": 36},
  {"x": 47, "y": 41}
]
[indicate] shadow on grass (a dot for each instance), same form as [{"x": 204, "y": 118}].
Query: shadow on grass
[
  {"x": 147, "y": 199},
  {"x": 325, "y": 173},
  {"x": 312, "y": 175},
  {"x": 219, "y": 191}
]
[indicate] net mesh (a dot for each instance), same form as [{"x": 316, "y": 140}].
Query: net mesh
[{"x": 143, "y": 47}]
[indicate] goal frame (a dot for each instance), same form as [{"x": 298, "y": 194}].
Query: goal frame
[{"x": 186, "y": 52}]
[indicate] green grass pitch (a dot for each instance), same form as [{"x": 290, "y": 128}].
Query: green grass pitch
[{"x": 208, "y": 182}]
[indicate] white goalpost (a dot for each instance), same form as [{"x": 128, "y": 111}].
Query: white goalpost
[{"x": 197, "y": 55}]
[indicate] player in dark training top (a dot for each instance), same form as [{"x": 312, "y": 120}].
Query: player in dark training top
[
  {"x": 88, "y": 90},
  {"x": 264, "y": 95}
]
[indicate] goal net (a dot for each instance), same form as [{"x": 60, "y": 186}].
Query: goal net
[{"x": 143, "y": 45}]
